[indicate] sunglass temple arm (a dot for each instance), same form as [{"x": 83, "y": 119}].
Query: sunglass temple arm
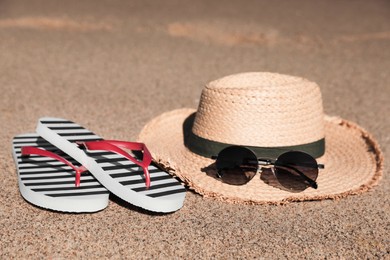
[{"x": 312, "y": 183}]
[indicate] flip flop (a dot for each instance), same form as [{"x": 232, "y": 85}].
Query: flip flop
[
  {"x": 49, "y": 183},
  {"x": 130, "y": 176}
]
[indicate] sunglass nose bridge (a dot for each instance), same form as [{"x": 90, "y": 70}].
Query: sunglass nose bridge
[{"x": 265, "y": 162}]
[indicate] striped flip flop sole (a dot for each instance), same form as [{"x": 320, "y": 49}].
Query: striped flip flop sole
[
  {"x": 50, "y": 184},
  {"x": 119, "y": 175}
]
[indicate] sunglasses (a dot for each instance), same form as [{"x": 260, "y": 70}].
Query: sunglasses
[{"x": 237, "y": 165}]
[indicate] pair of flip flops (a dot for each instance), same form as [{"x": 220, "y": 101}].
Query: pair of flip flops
[{"x": 65, "y": 167}]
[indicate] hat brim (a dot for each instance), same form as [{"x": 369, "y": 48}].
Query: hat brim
[{"x": 353, "y": 163}]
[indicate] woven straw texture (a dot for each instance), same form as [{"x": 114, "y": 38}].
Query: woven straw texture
[
  {"x": 260, "y": 109},
  {"x": 353, "y": 160}
]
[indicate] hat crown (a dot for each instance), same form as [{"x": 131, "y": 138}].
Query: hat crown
[{"x": 260, "y": 109}]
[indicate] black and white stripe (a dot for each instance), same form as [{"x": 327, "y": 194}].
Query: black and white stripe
[
  {"x": 48, "y": 183},
  {"x": 48, "y": 176},
  {"x": 126, "y": 173}
]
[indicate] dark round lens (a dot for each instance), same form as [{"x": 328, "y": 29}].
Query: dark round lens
[
  {"x": 236, "y": 165},
  {"x": 296, "y": 170}
]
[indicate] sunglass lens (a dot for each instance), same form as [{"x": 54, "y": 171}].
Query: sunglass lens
[
  {"x": 236, "y": 165},
  {"x": 296, "y": 170}
]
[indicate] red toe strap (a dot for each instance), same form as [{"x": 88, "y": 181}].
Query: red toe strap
[
  {"x": 116, "y": 147},
  {"x": 30, "y": 150}
]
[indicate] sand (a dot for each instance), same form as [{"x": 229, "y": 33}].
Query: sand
[{"x": 114, "y": 65}]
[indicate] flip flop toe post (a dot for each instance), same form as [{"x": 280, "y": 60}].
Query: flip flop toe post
[
  {"x": 129, "y": 175},
  {"x": 46, "y": 181}
]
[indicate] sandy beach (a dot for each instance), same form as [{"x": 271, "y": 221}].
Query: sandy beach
[{"x": 112, "y": 66}]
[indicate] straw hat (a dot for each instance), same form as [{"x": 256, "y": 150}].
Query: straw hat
[{"x": 270, "y": 113}]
